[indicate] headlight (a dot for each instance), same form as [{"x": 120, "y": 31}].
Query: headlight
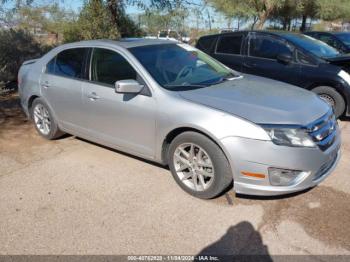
[
  {"x": 290, "y": 136},
  {"x": 345, "y": 76}
]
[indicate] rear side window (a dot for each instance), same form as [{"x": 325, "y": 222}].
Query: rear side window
[
  {"x": 107, "y": 67},
  {"x": 68, "y": 63},
  {"x": 206, "y": 43},
  {"x": 230, "y": 45},
  {"x": 267, "y": 47}
]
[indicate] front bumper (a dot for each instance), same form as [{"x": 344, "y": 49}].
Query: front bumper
[{"x": 256, "y": 156}]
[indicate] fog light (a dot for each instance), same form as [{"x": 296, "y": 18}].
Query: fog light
[{"x": 285, "y": 177}]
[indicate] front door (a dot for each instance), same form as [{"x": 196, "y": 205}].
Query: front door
[
  {"x": 262, "y": 60},
  {"x": 123, "y": 120}
]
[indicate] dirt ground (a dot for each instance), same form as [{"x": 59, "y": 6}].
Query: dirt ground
[{"x": 70, "y": 196}]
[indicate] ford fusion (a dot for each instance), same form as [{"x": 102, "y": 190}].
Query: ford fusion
[{"x": 173, "y": 104}]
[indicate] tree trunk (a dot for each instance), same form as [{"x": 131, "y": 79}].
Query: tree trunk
[
  {"x": 303, "y": 23},
  {"x": 289, "y": 25},
  {"x": 262, "y": 20},
  {"x": 255, "y": 19},
  {"x": 284, "y": 24}
]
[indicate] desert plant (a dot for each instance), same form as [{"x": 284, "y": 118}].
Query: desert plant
[{"x": 16, "y": 47}]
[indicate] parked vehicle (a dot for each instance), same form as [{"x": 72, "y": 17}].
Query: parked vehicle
[
  {"x": 338, "y": 40},
  {"x": 292, "y": 58},
  {"x": 169, "y": 35},
  {"x": 173, "y": 104}
]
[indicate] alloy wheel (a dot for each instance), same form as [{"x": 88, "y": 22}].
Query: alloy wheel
[
  {"x": 328, "y": 99},
  {"x": 193, "y": 166},
  {"x": 42, "y": 119}
]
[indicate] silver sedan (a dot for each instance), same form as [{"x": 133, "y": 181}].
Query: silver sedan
[{"x": 171, "y": 103}]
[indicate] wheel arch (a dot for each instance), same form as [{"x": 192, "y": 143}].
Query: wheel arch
[
  {"x": 336, "y": 86},
  {"x": 179, "y": 130},
  {"x": 30, "y": 102}
]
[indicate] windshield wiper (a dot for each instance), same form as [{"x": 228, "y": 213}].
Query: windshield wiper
[
  {"x": 185, "y": 86},
  {"x": 228, "y": 77}
]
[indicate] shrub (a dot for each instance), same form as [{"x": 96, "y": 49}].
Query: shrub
[{"x": 15, "y": 48}]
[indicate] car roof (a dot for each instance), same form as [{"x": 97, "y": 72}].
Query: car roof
[
  {"x": 327, "y": 32},
  {"x": 124, "y": 42},
  {"x": 277, "y": 33}
]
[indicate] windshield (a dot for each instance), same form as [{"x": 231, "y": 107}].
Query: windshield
[
  {"x": 312, "y": 45},
  {"x": 345, "y": 38},
  {"x": 180, "y": 66}
]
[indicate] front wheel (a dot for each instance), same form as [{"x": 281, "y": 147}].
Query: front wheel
[
  {"x": 199, "y": 166},
  {"x": 332, "y": 97}
]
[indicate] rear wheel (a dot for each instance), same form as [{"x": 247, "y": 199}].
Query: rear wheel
[
  {"x": 199, "y": 166},
  {"x": 43, "y": 119},
  {"x": 332, "y": 97}
]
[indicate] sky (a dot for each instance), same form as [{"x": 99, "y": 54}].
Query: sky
[{"x": 77, "y": 4}]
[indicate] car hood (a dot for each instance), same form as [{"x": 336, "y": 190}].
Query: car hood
[
  {"x": 261, "y": 100},
  {"x": 342, "y": 61}
]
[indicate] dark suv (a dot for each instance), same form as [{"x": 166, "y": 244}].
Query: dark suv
[{"x": 293, "y": 58}]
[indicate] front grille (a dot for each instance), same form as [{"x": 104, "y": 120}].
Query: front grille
[{"x": 323, "y": 131}]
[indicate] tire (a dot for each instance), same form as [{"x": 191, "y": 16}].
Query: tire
[
  {"x": 332, "y": 97},
  {"x": 221, "y": 174},
  {"x": 53, "y": 131}
]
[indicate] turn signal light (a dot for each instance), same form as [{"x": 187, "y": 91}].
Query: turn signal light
[{"x": 255, "y": 175}]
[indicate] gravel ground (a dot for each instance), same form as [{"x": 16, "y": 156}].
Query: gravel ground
[{"x": 70, "y": 196}]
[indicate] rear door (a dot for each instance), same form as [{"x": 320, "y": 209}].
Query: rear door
[
  {"x": 261, "y": 60},
  {"x": 229, "y": 50},
  {"x": 61, "y": 86}
]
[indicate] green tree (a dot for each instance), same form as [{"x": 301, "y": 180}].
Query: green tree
[
  {"x": 16, "y": 47},
  {"x": 286, "y": 13},
  {"x": 258, "y": 10},
  {"x": 328, "y": 10},
  {"x": 232, "y": 10},
  {"x": 94, "y": 22}
]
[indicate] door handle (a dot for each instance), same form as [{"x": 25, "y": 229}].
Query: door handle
[
  {"x": 93, "y": 96},
  {"x": 46, "y": 84},
  {"x": 249, "y": 65}
]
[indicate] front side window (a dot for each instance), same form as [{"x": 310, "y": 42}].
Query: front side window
[
  {"x": 180, "y": 66},
  {"x": 267, "y": 47},
  {"x": 230, "y": 45},
  {"x": 68, "y": 63},
  {"x": 107, "y": 67}
]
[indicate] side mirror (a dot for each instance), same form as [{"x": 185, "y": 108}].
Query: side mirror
[
  {"x": 284, "y": 58},
  {"x": 128, "y": 86}
]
